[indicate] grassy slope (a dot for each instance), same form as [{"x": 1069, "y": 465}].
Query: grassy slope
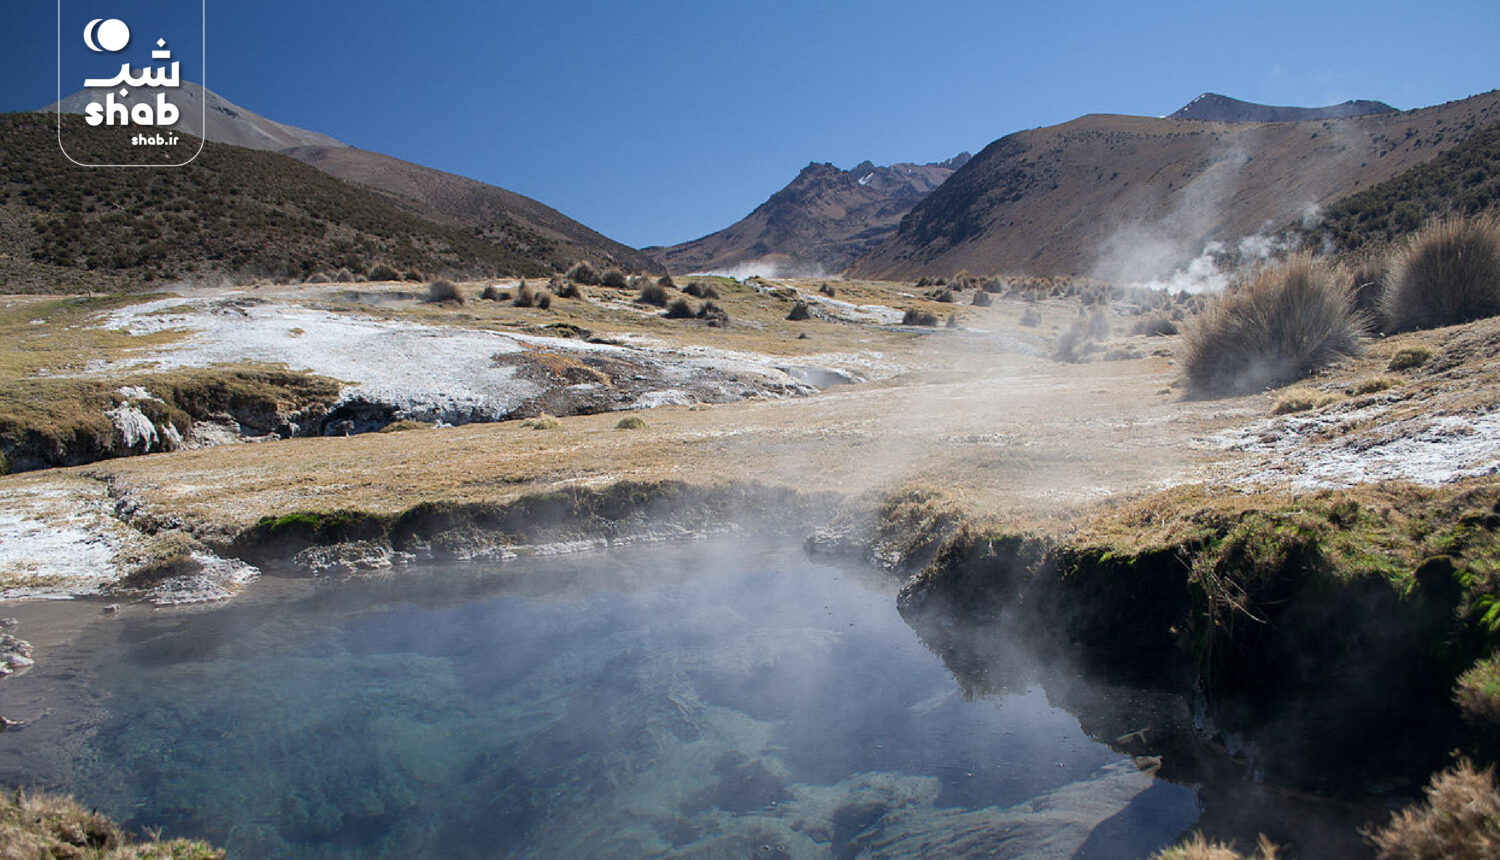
[
  {"x": 232, "y": 211},
  {"x": 37, "y": 825},
  {"x": 1464, "y": 180}
]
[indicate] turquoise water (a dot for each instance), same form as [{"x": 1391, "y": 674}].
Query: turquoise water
[{"x": 713, "y": 700}]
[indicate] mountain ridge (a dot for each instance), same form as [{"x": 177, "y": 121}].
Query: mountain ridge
[
  {"x": 820, "y": 222},
  {"x": 1214, "y": 107}
]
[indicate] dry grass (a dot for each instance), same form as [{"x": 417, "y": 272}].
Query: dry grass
[
  {"x": 36, "y": 826},
  {"x": 1478, "y": 694},
  {"x": 631, "y": 422},
  {"x": 1374, "y": 385},
  {"x": 654, "y": 294},
  {"x": 1448, "y": 273},
  {"x": 1409, "y": 358},
  {"x": 1288, "y": 321},
  {"x": 444, "y": 291},
  {"x": 1302, "y": 400},
  {"x": 1200, "y": 847},
  {"x": 1459, "y": 820}
]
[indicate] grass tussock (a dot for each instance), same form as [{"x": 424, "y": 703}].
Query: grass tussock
[
  {"x": 800, "y": 312},
  {"x": 543, "y": 422},
  {"x": 631, "y": 422},
  {"x": 1478, "y": 694},
  {"x": 46, "y": 826},
  {"x": 583, "y": 273},
  {"x": 1156, "y": 325},
  {"x": 654, "y": 294},
  {"x": 1286, "y": 322},
  {"x": 666, "y": 282},
  {"x": 493, "y": 293},
  {"x": 613, "y": 278},
  {"x": 679, "y": 309},
  {"x": 700, "y": 290},
  {"x": 1409, "y": 358},
  {"x": 1031, "y": 318},
  {"x": 1448, "y": 273},
  {"x": 982, "y": 299},
  {"x": 525, "y": 296},
  {"x": 1459, "y": 820},
  {"x": 443, "y": 291},
  {"x": 919, "y": 318},
  {"x": 828, "y": 289},
  {"x": 1200, "y": 847},
  {"x": 1374, "y": 385},
  {"x": 1302, "y": 400},
  {"x": 404, "y": 425}
]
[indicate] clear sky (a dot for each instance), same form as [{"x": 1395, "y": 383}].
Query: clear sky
[{"x": 657, "y": 121}]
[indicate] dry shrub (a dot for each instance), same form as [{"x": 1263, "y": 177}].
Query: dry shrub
[
  {"x": 1448, "y": 273},
  {"x": 654, "y": 294},
  {"x": 919, "y": 317},
  {"x": 1409, "y": 358},
  {"x": 1031, "y": 318},
  {"x": 680, "y": 309},
  {"x": 444, "y": 291},
  {"x": 583, "y": 273},
  {"x": 1374, "y": 385},
  {"x": 666, "y": 282},
  {"x": 1367, "y": 290},
  {"x": 1302, "y": 400},
  {"x": 1199, "y": 847},
  {"x": 525, "y": 296},
  {"x": 544, "y": 301},
  {"x": 1460, "y": 820},
  {"x": 319, "y": 278},
  {"x": 492, "y": 293},
  {"x": 828, "y": 290},
  {"x": 713, "y": 314},
  {"x": 982, "y": 299},
  {"x": 1156, "y": 325},
  {"x": 1289, "y": 320},
  {"x": 40, "y": 825},
  {"x": 1478, "y": 694},
  {"x": 613, "y": 278},
  {"x": 566, "y": 289},
  {"x": 800, "y": 312},
  {"x": 632, "y": 422},
  {"x": 700, "y": 290},
  {"x": 383, "y": 272}
]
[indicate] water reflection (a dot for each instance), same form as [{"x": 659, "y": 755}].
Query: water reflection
[{"x": 704, "y": 701}]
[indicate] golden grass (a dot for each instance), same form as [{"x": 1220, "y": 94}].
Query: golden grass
[
  {"x": 1199, "y": 847},
  {"x": 1458, "y": 820},
  {"x": 45, "y": 826},
  {"x": 1302, "y": 400}
]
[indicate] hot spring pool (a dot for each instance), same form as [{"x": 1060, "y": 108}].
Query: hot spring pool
[{"x": 711, "y": 700}]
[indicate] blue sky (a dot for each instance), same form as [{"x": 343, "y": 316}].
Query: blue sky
[{"x": 658, "y": 121}]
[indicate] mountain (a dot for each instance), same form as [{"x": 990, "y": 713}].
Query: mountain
[
  {"x": 235, "y": 213},
  {"x": 1133, "y": 198},
  {"x": 489, "y": 211},
  {"x": 1464, "y": 180},
  {"x": 1212, "y": 107},
  {"x": 227, "y": 121},
  {"x": 820, "y": 222},
  {"x": 525, "y": 227}
]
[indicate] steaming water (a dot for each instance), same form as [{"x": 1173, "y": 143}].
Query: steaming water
[{"x": 705, "y": 701}]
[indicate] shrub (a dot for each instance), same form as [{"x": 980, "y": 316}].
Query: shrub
[
  {"x": 1408, "y": 358},
  {"x": 493, "y": 293},
  {"x": 923, "y": 281},
  {"x": 319, "y": 278},
  {"x": 666, "y": 282},
  {"x": 1199, "y": 847},
  {"x": 1301, "y": 400},
  {"x": 1097, "y": 324},
  {"x": 404, "y": 425},
  {"x": 612, "y": 278},
  {"x": 680, "y": 309},
  {"x": 1286, "y": 322},
  {"x": 1031, "y": 318},
  {"x": 583, "y": 273},
  {"x": 1459, "y": 820},
  {"x": 383, "y": 272},
  {"x": 1448, "y": 273},
  {"x": 631, "y": 422},
  {"x": 525, "y": 296},
  {"x": 919, "y": 317},
  {"x": 982, "y": 299},
  {"x": 1367, "y": 288},
  {"x": 944, "y": 295},
  {"x": 444, "y": 291},
  {"x": 826, "y": 289},
  {"x": 1155, "y": 325},
  {"x": 1478, "y": 694},
  {"x": 544, "y": 301},
  {"x": 1373, "y": 385},
  {"x": 654, "y": 294},
  {"x": 800, "y": 312},
  {"x": 543, "y": 422},
  {"x": 713, "y": 314},
  {"x": 952, "y": 320},
  {"x": 414, "y": 276},
  {"x": 343, "y": 276},
  {"x": 700, "y": 290},
  {"x": 568, "y": 290}
]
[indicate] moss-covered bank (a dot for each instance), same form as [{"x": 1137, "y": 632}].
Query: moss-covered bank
[{"x": 1321, "y": 635}]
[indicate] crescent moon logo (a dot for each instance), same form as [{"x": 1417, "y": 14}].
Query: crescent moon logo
[{"x": 88, "y": 36}]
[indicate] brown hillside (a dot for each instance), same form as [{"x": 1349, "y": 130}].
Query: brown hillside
[
  {"x": 499, "y": 215},
  {"x": 1131, "y": 198}
]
